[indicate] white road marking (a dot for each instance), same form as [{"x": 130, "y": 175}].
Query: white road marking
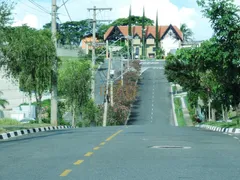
[
  {"x": 235, "y": 137},
  {"x": 230, "y": 134}
]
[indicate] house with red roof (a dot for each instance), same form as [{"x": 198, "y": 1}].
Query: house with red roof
[{"x": 170, "y": 38}]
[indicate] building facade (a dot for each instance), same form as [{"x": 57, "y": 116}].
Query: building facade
[{"x": 170, "y": 37}]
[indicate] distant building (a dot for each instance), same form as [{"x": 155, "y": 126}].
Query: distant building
[
  {"x": 170, "y": 38},
  {"x": 191, "y": 44},
  {"x": 86, "y": 43}
]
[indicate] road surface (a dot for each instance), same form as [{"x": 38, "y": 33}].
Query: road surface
[{"x": 129, "y": 152}]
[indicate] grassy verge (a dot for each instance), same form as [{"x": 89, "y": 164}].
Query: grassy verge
[
  {"x": 7, "y": 125},
  {"x": 232, "y": 124},
  {"x": 190, "y": 109},
  {"x": 179, "y": 112},
  {"x": 64, "y": 58}
]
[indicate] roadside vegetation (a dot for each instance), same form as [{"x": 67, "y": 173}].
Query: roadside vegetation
[
  {"x": 8, "y": 124},
  {"x": 179, "y": 112},
  {"x": 211, "y": 72},
  {"x": 28, "y": 55}
]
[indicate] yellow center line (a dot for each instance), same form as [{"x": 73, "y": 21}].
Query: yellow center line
[
  {"x": 102, "y": 143},
  {"x": 112, "y": 136},
  {"x": 96, "y": 148},
  {"x": 78, "y": 162},
  {"x": 66, "y": 172},
  {"x": 88, "y": 154}
]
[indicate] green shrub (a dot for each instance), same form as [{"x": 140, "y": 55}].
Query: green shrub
[
  {"x": 63, "y": 123},
  {"x": 46, "y": 120},
  {"x": 79, "y": 124},
  {"x": 9, "y": 121}
]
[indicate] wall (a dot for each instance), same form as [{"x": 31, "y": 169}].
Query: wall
[
  {"x": 169, "y": 43},
  {"x": 11, "y": 92}
]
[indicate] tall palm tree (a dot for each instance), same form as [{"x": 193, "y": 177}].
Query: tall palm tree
[
  {"x": 187, "y": 33},
  {"x": 3, "y": 102}
]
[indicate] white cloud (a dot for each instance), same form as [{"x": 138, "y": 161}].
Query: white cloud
[
  {"x": 25, "y": 12},
  {"x": 30, "y": 20},
  {"x": 168, "y": 12}
]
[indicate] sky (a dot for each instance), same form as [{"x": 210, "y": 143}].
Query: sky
[{"x": 173, "y": 12}]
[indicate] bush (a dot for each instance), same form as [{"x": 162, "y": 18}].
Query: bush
[
  {"x": 63, "y": 123},
  {"x": 9, "y": 121},
  {"x": 90, "y": 111}
]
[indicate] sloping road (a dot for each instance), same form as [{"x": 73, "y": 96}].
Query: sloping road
[{"x": 125, "y": 153}]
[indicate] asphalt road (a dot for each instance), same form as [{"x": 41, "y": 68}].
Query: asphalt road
[{"x": 127, "y": 152}]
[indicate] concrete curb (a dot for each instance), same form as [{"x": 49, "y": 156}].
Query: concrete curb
[
  {"x": 219, "y": 129},
  {"x": 16, "y": 133},
  {"x": 173, "y": 107}
]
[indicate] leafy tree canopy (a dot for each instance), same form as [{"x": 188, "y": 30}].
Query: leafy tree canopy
[{"x": 187, "y": 33}]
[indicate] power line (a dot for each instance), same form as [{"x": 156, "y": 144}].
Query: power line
[
  {"x": 39, "y": 6},
  {"x": 64, "y": 3},
  {"x": 31, "y": 7}
]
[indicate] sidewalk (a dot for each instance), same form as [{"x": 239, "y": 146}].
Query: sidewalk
[
  {"x": 186, "y": 115},
  {"x": 185, "y": 111}
]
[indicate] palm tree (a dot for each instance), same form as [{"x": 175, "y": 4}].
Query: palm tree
[
  {"x": 3, "y": 102},
  {"x": 187, "y": 33}
]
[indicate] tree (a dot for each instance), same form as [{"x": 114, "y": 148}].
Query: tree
[
  {"x": 187, "y": 33},
  {"x": 72, "y": 32},
  {"x": 143, "y": 34},
  {"x": 157, "y": 37},
  {"x": 3, "y": 102},
  {"x": 5, "y": 13},
  {"x": 136, "y": 21},
  {"x": 225, "y": 21},
  {"x": 28, "y": 56},
  {"x": 5, "y": 18},
  {"x": 74, "y": 86},
  {"x": 130, "y": 29}
]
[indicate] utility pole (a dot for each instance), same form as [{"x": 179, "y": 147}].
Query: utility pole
[
  {"x": 94, "y": 9},
  {"x": 54, "y": 97},
  {"x": 106, "y": 95},
  {"x": 132, "y": 44},
  {"x": 106, "y": 48},
  {"x": 121, "y": 71},
  {"x": 128, "y": 54},
  {"x": 111, "y": 75}
]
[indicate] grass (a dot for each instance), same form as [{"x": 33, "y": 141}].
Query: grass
[
  {"x": 63, "y": 58},
  {"x": 7, "y": 125},
  {"x": 232, "y": 124},
  {"x": 179, "y": 112}
]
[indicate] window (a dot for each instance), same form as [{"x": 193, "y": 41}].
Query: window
[
  {"x": 154, "y": 49},
  {"x": 137, "y": 51}
]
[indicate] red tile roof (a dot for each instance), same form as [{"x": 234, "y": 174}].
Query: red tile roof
[{"x": 149, "y": 30}]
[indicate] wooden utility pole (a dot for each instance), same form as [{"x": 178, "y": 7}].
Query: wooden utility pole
[
  {"x": 121, "y": 71},
  {"x": 111, "y": 85},
  {"x": 107, "y": 92},
  {"x": 54, "y": 97},
  {"x": 94, "y": 9}
]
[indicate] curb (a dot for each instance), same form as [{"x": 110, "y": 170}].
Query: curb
[
  {"x": 173, "y": 107},
  {"x": 16, "y": 133},
  {"x": 219, "y": 129}
]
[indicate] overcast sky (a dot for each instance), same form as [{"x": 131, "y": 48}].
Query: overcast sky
[{"x": 172, "y": 12}]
